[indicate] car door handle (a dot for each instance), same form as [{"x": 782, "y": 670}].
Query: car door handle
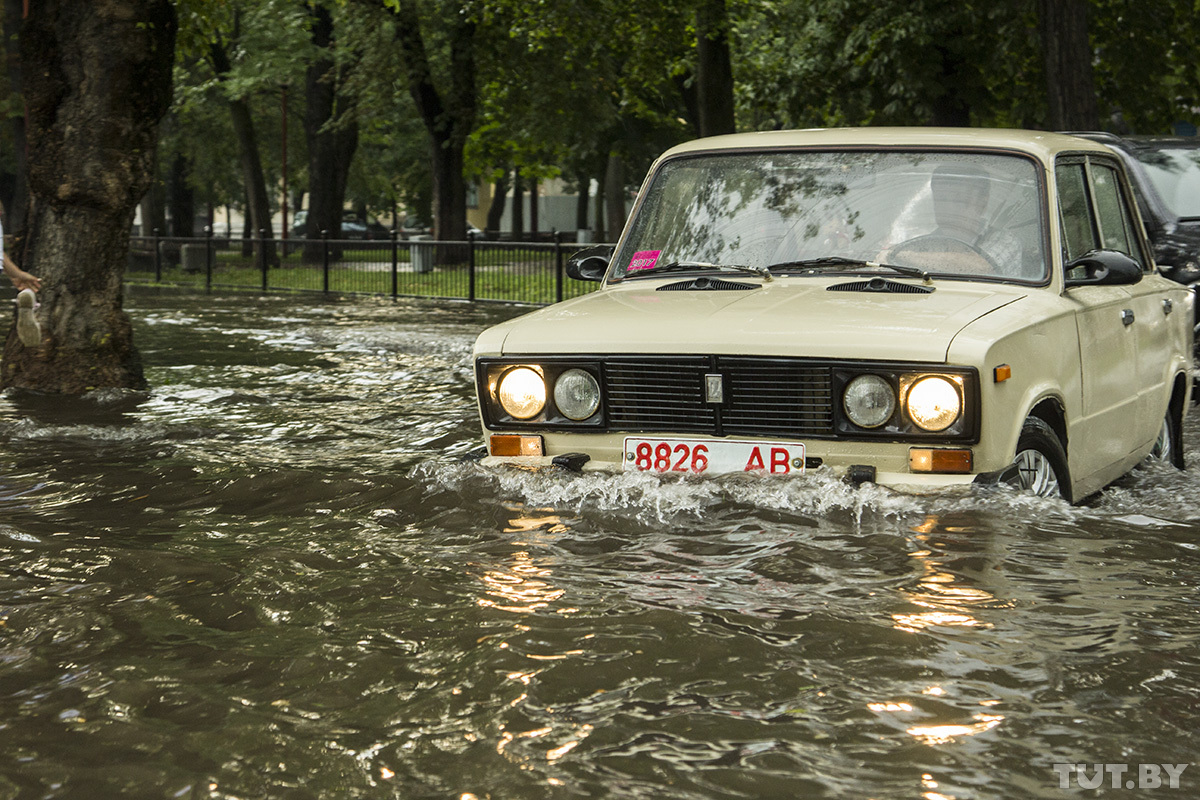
[
  {"x": 1127, "y": 317},
  {"x": 1168, "y": 306}
]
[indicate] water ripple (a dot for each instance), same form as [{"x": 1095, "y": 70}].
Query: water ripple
[{"x": 274, "y": 575}]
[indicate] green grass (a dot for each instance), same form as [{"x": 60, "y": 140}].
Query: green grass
[{"x": 511, "y": 275}]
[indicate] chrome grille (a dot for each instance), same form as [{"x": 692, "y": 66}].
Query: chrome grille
[{"x": 764, "y": 396}]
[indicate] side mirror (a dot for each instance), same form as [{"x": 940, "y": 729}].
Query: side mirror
[
  {"x": 590, "y": 264},
  {"x": 1104, "y": 268}
]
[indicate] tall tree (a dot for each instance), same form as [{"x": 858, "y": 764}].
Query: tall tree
[
  {"x": 14, "y": 219},
  {"x": 331, "y": 132},
  {"x": 249, "y": 156},
  {"x": 714, "y": 70},
  {"x": 97, "y": 81},
  {"x": 1067, "y": 53},
  {"x": 449, "y": 113}
]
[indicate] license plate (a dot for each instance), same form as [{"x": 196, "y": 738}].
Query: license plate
[{"x": 715, "y": 456}]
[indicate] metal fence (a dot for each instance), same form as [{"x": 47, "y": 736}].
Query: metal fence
[{"x": 474, "y": 270}]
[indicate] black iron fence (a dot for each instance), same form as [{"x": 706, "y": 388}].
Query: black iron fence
[{"x": 475, "y": 270}]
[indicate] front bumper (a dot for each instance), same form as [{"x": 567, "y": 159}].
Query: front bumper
[{"x": 883, "y": 463}]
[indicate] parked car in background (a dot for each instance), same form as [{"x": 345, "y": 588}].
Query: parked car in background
[
  {"x": 353, "y": 227},
  {"x": 1165, "y": 171},
  {"x": 415, "y": 226},
  {"x": 356, "y": 227},
  {"x": 921, "y": 308}
]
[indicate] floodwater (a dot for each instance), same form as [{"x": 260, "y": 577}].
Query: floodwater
[{"x": 275, "y": 576}]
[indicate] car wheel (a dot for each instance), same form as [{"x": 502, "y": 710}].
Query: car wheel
[
  {"x": 1041, "y": 462},
  {"x": 1168, "y": 447}
]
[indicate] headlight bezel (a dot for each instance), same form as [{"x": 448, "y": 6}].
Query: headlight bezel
[
  {"x": 879, "y": 381},
  {"x": 901, "y": 426},
  {"x": 538, "y": 378},
  {"x": 560, "y": 404},
  {"x": 488, "y": 376},
  {"x": 907, "y": 401}
]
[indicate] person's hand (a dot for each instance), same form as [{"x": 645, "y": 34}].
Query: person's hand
[{"x": 20, "y": 278}]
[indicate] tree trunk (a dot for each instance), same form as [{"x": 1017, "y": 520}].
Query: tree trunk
[
  {"x": 252, "y": 173},
  {"x": 949, "y": 106},
  {"x": 248, "y": 234},
  {"x": 448, "y": 118},
  {"x": 714, "y": 72},
  {"x": 601, "y": 202},
  {"x": 250, "y": 159},
  {"x": 581, "y": 201},
  {"x": 154, "y": 210},
  {"x": 18, "y": 205},
  {"x": 499, "y": 202},
  {"x": 614, "y": 192},
  {"x": 686, "y": 84},
  {"x": 97, "y": 81},
  {"x": 449, "y": 189},
  {"x": 1067, "y": 59},
  {"x": 534, "y": 223},
  {"x": 517, "y": 229},
  {"x": 180, "y": 198},
  {"x": 331, "y": 140}
]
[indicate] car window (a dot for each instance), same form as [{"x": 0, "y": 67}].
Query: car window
[
  {"x": 1175, "y": 175},
  {"x": 1116, "y": 232},
  {"x": 1093, "y": 209},
  {"x": 1074, "y": 208},
  {"x": 951, "y": 213}
]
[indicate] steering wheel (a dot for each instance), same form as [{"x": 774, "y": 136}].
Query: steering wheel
[{"x": 937, "y": 243}]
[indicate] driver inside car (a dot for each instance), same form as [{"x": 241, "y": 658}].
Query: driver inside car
[{"x": 962, "y": 240}]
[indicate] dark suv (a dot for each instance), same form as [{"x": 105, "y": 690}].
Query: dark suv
[{"x": 1165, "y": 172}]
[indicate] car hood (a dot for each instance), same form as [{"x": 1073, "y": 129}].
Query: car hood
[{"x": 785, "y": 317}]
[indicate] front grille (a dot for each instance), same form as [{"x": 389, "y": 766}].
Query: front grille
[
  {"x": 763, "y": 396},
  {"x": 654, "y": 394},
  {"x": 777, "y": 397}
]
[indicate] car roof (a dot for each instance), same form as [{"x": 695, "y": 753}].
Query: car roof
[
  {"x": 1141, "y": 141},
  {"x": 1041, "y": 144}
]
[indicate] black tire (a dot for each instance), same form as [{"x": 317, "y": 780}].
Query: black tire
[
  {"x": 1169, "y": 446},
  {"x": 1041, "y": 461}
]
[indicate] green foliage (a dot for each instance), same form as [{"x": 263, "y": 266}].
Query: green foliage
[
  {"x": 561, "y": 83},
  {"x": 823, "y": 62},
  {"x": 1148, "y": 65}
]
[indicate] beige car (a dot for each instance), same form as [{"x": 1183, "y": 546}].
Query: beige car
[{"x": 920, "y": 308}]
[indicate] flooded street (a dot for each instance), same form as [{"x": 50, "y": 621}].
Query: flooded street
[{"x": 275, "y": 576}]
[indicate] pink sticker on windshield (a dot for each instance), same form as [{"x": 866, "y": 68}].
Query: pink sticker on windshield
[{"x": 644, "y": 259}]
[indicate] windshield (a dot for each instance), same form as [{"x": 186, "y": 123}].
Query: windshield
[
  {"x": 1175, "y": 173},
  {"x": 955, "y": 214}
]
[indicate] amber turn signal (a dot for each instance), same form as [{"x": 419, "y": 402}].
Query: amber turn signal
[
  {"x": 925, "y": 459},
  {"x": 1002, "y": 373},
  {"x": 509, "y": 445}
]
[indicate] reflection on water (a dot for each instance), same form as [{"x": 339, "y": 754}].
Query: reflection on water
[
  {"x": 274, "y": 576},
  {"x": 947, "y": 597}
]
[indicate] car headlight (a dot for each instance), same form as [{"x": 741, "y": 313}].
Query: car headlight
[
  {"x": 869, "y": 401},
  {"x": 522, "y": 393},
  {"x": 577, "y": 394},
  {"x": 933, "y": 403}
]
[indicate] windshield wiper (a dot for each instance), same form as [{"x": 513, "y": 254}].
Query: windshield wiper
[
  {"x": 852, "y": 263},
  {"x": 676, "y": 266}
]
